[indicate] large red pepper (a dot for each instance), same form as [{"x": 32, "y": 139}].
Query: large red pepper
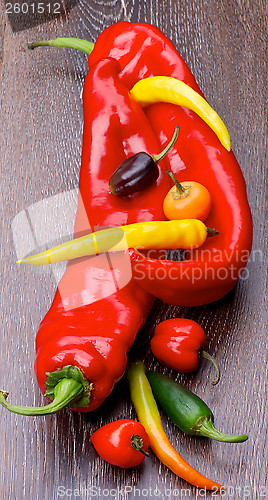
[
  {"x": 143, "y": 51},
  {"x": 96, "y": 334},
  {"x": 98, "y": 307},
  {"x": 211, "y": 272}
]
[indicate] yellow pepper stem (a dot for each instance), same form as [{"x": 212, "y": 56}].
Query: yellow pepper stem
[{"x": 168, "y": 89}]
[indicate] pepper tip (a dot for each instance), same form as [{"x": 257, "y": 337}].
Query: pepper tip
[
  {"x": 211, "y": 231},
  {"x": 30, "y": 45},
  {"x": 4, "y": 394},
  {"x": 227, "y": 143}
]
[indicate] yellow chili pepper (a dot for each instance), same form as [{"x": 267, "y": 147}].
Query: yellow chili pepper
[
  {"x": 148, "y": 415},
  {"x": 157, "y": 235},
  {"x": 168, "y": 89}
]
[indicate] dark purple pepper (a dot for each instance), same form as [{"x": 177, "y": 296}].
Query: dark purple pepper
[{"x": 138, "y": 171}]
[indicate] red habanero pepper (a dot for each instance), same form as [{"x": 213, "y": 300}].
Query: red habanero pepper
[
  {"x": 210, "y": 273},
  {"x": 177, "y": 342},
  {"x": 122, "y": 443},
  {"x": 98, "y": 308}
]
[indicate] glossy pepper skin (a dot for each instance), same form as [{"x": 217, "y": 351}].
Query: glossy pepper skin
[
  {"x": 138, "y": 171},
  {"x": 148, "y": 414},
  {"x": 187, "y": 199},
  {"x": 119, "y": 443},
  {"x": 176, "y": 343},
  {"x": 93, "y": 320},
  {"x": 208, "y": 275},
  {"x": 134, "y": 174},
  {"x": 143, "y": 51},
  {"x": 186, "y": 409}
]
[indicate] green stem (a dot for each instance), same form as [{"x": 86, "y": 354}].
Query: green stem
[
  {"x": 70, "y": 43},
  {"x": 204, "y": 427},
  {"x": 66, "y": 391},
  {"x": 180, "y": 191},
  {"x": 160, "y": 156},
  {"x": 137, "y": 444},
  {"x": 208, "y": 356}
]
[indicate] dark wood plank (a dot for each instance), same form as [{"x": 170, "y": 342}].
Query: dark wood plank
[{"x": 41, "y": 115}]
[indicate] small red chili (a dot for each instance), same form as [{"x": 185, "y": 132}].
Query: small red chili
[
  {"x": 122, "y": 443},
  {"x": 177, "y": 342}
]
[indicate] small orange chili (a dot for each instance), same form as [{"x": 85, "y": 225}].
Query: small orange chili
[
  {"x": 122, "y": 443},
  {"x": 188, "y": 199},
  {"x": 176, "y": 343}
]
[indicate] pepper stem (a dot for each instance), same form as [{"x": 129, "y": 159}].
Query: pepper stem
[
  {"x": 70, "y": 43},
  {"x": 179, "y": 191},
  {"x": 206, "y": 355},
  {"x": 160, "y": 156},
  {"x": 66, "y": 391},
  {"x": 212, "y": 232},
  {"x": 137, "y": 444},
  {"x": 204, "y": 427}
]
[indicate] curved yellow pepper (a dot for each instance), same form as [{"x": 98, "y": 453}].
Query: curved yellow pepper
[
  {"x": 157, "y": 235},
  {"x": 148, "y": 415},
  {"x": 173, "y": 91}
]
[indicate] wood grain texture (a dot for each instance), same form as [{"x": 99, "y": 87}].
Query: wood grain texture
[{"x": 225, "y": 46}]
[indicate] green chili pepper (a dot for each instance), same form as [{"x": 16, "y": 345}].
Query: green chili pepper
[{"x": 186, "y": 409}]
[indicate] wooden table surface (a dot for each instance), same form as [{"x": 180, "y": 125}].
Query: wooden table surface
[{"x": 51, "y": 457}]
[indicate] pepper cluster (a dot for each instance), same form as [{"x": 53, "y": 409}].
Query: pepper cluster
[{"x": 138, "y": 90}]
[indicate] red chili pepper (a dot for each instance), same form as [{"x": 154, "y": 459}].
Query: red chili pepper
[
  {"x": 176, "y": 343},
  {"x": 94, "y": 318},
  {"x": 122, "y": 443}
]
